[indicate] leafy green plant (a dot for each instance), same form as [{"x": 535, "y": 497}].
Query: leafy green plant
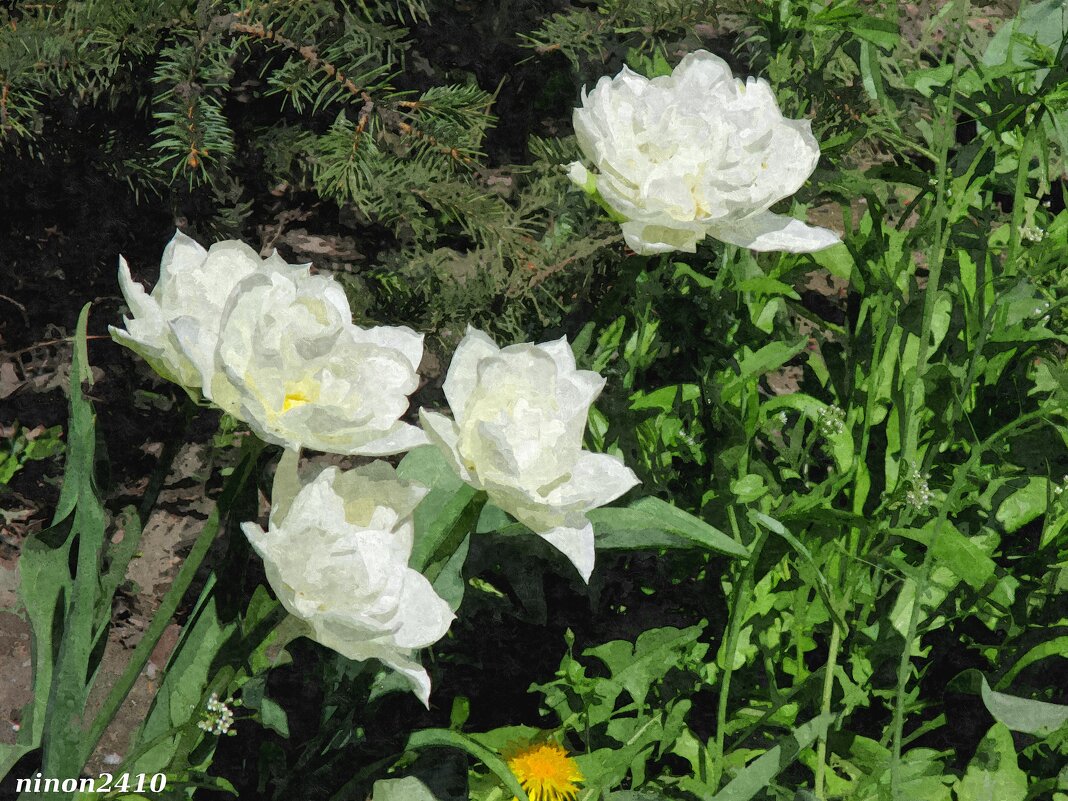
[{"x": 28, "y": 446}]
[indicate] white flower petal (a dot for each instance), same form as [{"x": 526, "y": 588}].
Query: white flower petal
[
  {"x": 400, "y": 439},
  {"x": 177, "y": 326},
  {"x": 181, "y": 254},
  {"x": 767, "y": 231},
  {"x": 462, "y": 375},
  {"x": 399, "y": 338},
  {"x": 416, "y": 675},
  {"x": 647, "y": 240},
  {"x": 576, "y": 544},
  {"x": 443, "y": 433},
  {"x": 596, "y": 479}
]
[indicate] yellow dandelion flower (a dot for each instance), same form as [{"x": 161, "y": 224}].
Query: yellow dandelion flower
[{"x": 545, "y": 771}]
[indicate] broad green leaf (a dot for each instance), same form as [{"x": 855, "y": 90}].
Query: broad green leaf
[
  {"x": 1022, "y": 714},
  {"x": 502, "y": 738},
  {"x": 964, "y": 557},
  {"x": 182, "y": 691},
  {"x": 749, "y": 488},
  {"x": 653, "y": 523},
  {"x": 407, "y": 789},
  {"x": 449, "y": 584},
  {"x": 1023, "y": 505},
  {"x": 63, "y": 609},
  {"x": 428, "y": 466},
  {"x": 445, "y": 517},
  {"x": 442, "y": 520},
  {"x": 274, "y": 717},
  {"x": 637, "y": 666},
  {"x": 993, "y": 774}
]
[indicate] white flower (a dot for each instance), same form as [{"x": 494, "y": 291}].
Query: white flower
[
  {"x": 291, "y": 364},
  {"x": 175, "y": 328},
  {"x": 520, "y": 413},
  {"x": 336, "y": 554},
  {"x": 694, "y": 154}
]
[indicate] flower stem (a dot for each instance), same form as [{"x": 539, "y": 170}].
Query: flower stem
[
  {"x": 250, "y": 451},
  {"x": 741, "y": 602}
]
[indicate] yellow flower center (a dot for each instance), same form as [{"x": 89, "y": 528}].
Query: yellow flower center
[
  {"x": 299, "y": 393},
  {"x": 545, "y": 772},
  {"x": 292, "y": 399}
]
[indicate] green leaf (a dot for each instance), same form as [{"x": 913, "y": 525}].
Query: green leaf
[
  {"x": 407, "y": 789},
  {"x": 182, "y": 691},
  {"x": 443, "y": 738},
  {"x": 637, "y": 666},
  {"x": 964, "y": 557},
  {"x": 273, "y": 717},
  {"x": 442, "y": 520},
  {"x": 755, "y": 364},
  {"x": 63, "y": 609},
  {"x": 1023, "y": 505},
  {"x": 749, "y": 488},
  {"x": 653, "y": 523},
  {"x": 1022, "y": 714},
  {"x": 449, "y": 584},
  {"x": 758, "y": 774},
  {"x": 428, "y": 466},
  {"x": 993, "y": 774},
  {"x": 1058, "y": 646}
]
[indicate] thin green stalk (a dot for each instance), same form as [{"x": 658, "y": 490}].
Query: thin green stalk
[
  {"x": 250, "y": 452},
  {"x": 914, "y": 398},
  {"x": 952, "y": 498},
  {"x": 741, "y": 603},
  {"x": 825, "y": 706},
  {"x": 1022, "y": 170}
]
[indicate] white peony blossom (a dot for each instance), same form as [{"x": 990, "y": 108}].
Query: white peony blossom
[
  {"x": 175, "y": 328},
  {"x": 291, "y": 364},
  {"x": 519, "y": 416},
  {"x": 336, "y": 554},
  {"x": 695, "y": 154}
]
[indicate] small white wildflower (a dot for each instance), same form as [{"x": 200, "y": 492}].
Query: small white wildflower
[
  {"x": 782, "y": 418},
  {"x": 919, "y": 496},
  {"x": 831, "y": 421},
  {"x": 1059, "y": 488},
  {"x": 1032, "y": 233},
  {"x": 218, "y": 718}
]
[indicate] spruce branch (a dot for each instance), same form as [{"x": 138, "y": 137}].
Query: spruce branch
[{"x": 306, "y": 52}]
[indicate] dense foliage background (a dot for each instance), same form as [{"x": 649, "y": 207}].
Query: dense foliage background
[{"x": 881, "y": 425}]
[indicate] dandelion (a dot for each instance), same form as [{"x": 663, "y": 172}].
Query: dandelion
[
  {"x": 545, "y": 772},
  {"x": 218, "y": 718}
]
